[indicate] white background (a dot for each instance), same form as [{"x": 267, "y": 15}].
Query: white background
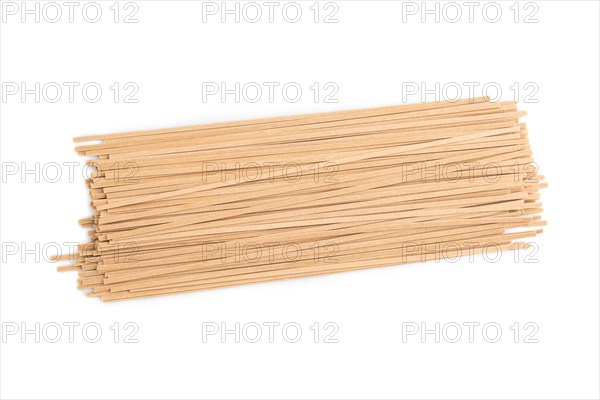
[{"x": 369, "y": 54}]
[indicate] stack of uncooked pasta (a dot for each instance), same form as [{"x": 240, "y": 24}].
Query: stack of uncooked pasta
[{"x": 209, "y": 206}]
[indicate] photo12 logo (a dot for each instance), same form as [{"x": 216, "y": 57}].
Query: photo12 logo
[
  {"x": 37, "y": 252},
  {"x": 469, "y": 332},
  {"x": 69, "y": 92},
  {"x": 269, "y": 171},
  {"x": 67, "y": 171},
  {"x": 269, "y": 332},
  {"x": 269, "y": 92},
  {"x": 521, "y": 92},
  {"x": 53, "y": 12},
  {"x": 253, "y": 12},
  {"x": 69, "y": 332},
  {"x": 453, "y": 12},
  {"x": 254, "y": 253},
  {"x": 52, "y": 252}
]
